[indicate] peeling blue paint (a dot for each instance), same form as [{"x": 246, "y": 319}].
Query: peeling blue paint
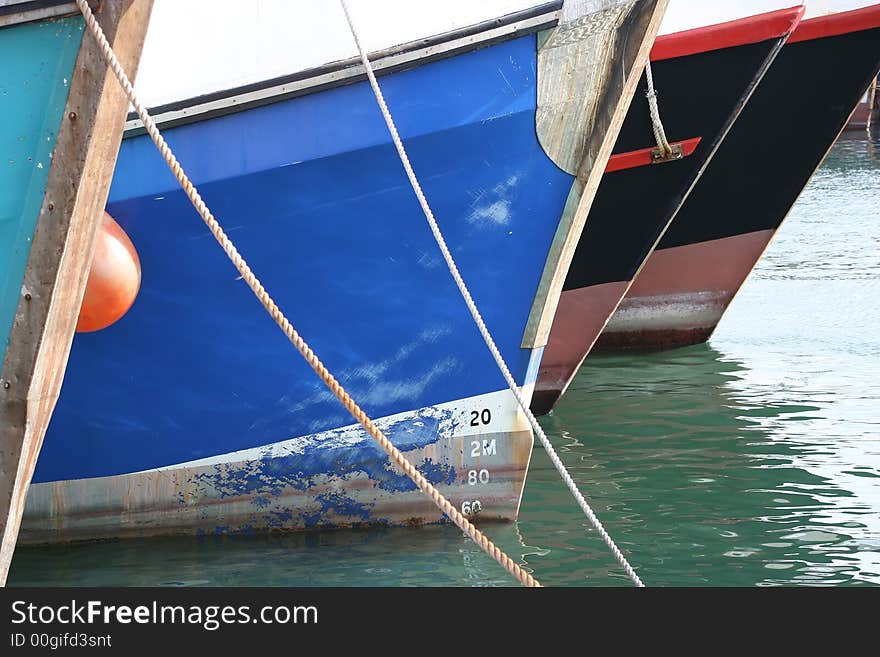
[
  {"x": 278, "y": 519},
  {"x": 270, "y": 477},
  {"x": 437, "y": 473},
  {"x": 263, "y": 481},
  {"x": 340, "y": 504}
]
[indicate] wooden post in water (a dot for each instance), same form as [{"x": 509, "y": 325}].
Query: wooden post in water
[
  {"x": 61, "y": 253},
  {"x": 873, "y": 126}
]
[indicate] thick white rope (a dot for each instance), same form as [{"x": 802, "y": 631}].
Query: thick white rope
[
  {"x": 475, "y": 313},
  {"x": 248, "y": 276},
  {"x": 656, "y": 123}
]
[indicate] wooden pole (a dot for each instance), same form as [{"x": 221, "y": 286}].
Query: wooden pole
[
  {"x": 61, "y": 254},
  {"x": 873, "y": 126}
]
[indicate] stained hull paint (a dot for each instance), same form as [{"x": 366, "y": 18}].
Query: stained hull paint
[
  {"x": 720, "y": 232},
  {"x": 635, "y": 204},
  {"x": 662, "y": 305},
  {"x": 193, "y": 414},
  {"x": 337, "y": 478}
]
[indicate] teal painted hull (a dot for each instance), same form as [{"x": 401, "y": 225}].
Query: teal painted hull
[{"x": 38, "y": 60}]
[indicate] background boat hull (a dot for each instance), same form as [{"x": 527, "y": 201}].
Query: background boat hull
[
  {"x": 34, "y": 95},
  {"x": 748, "y": 189},
  {"x": 634, "y": 205}
]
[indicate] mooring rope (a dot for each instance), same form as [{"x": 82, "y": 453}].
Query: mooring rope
[
  {"x": 656, "y": 123},
  {"x": 311, "y": 358},
  {"x": 475, "y": 313}
]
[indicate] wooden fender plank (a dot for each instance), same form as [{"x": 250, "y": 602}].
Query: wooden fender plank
[{"x": 61, "y": 252}]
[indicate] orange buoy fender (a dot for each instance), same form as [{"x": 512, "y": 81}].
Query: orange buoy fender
[{"x": 114, "y": 278}]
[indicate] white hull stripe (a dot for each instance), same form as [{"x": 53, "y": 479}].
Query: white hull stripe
[
  {"x": 455, "y": 420},
  {"x": 13, "y": 12},
  {"x": 337, "y": 74}
]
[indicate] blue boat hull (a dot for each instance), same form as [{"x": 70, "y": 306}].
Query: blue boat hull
[{"x": 194, "y": 414}]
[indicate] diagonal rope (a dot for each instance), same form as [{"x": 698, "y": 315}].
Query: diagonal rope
[
  {"x": 248, "y": 276},
  {"x": 475, "y": 313},
  {"x": 656, "y": 123}
]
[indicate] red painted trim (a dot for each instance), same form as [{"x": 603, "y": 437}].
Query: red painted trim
[
  {"x": 753, "y": 29},
  {"x": 844, "y": 22},
  {"x": 642, "y": 157}
]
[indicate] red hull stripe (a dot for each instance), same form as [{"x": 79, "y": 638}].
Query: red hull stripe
[
  {"x": 753, "y": 29},
  {"x": 642, "y": 157},
  {"x": 844, "y": 22}
]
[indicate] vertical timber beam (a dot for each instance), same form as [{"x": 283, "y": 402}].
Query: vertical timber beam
[
  {"x": 61, "y": 254},
  {"x": 873, "y": 126},
  {"x": 588, "y": 70}
]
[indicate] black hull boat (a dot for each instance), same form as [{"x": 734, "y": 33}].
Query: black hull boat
[
  {"x": 703, "y": 78},
  {"x": 729, "y": 218}
]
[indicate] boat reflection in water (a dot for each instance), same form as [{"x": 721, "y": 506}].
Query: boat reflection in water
[{"x": 707, "y": 469}]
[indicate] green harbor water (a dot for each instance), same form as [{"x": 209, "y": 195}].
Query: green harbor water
[{"x": 753, "y": 460}]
